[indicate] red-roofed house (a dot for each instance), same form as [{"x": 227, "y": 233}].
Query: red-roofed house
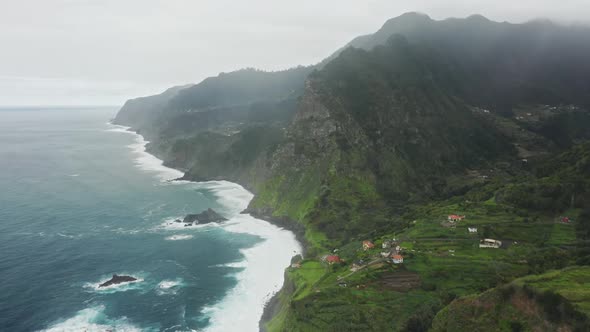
[
  {"x": 397, "y": 259},
  {"x": 331, "y": 259},
  {"x": 368, "y": 245},
  {"x": 454, "y": 217},
  {"x": 565, "y": 220}
]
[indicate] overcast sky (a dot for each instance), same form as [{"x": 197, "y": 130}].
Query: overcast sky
[{"x": 102, "y": 52}]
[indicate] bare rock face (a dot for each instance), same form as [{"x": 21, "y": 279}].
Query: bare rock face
[{"x": 116, "y": 279}]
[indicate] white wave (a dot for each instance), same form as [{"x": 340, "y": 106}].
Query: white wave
[
  {"x": 179, "y": 237},
  {"x": 231, "y": 195},
  {"x": 235, "y": 265},
  {"x": 119, "y": 129},
  {"x": 169, "y": 287},
  {"x": 263, "y": 264},
  {"x": 74, "y": 175},
  {"x": 93, "y": 320},
  {"x": 122, "y": 287},
  {"x": 145, "y": 161},
  {"x": 127, "y": 231},
  {"x": 170, "y": 224},
  {"x": 67, "y": 236}
]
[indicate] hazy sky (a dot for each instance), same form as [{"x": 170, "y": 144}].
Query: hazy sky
[{"x": 83, "y": 52}]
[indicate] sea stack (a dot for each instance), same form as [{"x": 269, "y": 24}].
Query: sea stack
[
  {"x": 116, "y": 279},
  {"x": 205, "y": 217}
]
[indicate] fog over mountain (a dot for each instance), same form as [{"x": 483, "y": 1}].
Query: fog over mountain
[{"x": 64, "y": 52}]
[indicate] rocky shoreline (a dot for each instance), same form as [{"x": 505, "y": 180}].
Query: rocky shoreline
[{"x": 272, "y": 306}]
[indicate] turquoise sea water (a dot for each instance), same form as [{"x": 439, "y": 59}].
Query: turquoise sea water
[{"x": 79, "y": 201}]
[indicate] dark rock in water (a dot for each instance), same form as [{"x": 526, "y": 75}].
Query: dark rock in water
[
  {"x": 177, "y": 220},
  {"x": 186, "y": 225},
  {"x": 204, "y": 217},
  {"x": 117, "y": 280}
]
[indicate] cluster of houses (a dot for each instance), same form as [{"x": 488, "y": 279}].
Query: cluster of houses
[
  {"x": 392, "y": 253},
  {"x": 484, "y": 243}
]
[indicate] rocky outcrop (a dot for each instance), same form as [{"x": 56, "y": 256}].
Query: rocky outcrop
[
  {"x": 205, "y": 217},
  {"x": 117, "y": 279}
]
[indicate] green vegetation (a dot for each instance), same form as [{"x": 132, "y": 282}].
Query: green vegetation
[
  {"x": 443, "y": 262},
  {"x": 554, "y": 301},
  {"x": 421, "y": 120}
]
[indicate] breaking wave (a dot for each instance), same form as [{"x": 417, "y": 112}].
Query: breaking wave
[{"x": 93, "y": 320}]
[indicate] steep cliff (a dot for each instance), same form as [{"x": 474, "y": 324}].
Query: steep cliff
[{"x": 374, "y": 131}]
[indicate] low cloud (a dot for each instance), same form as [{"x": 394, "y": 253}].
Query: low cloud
[{"x": 136, "y": 47}]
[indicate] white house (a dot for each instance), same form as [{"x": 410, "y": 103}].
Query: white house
[
  {"x": 472, "y": 229},
  {"x": 490, "y": 243}
]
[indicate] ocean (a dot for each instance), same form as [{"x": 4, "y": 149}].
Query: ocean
[{"x": 81, "y": 200}]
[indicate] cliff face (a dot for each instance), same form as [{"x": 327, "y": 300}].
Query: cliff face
[
  {"x": 222, "y": 128},
  {"x": 374, "y": 130},
  {"x": 143, "y": 113}
]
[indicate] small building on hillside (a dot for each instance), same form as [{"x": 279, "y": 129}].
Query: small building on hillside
[
  {"x": 472, "y": 229},
  {"x": 397, "y": 259},
  {"x": 296, "y": 265},
  {"x": 386, "y": 244},
  {"x": 490, "y": 243},
  {"x": 332, "y": 259},
  {"x": 385, "y": 253},
  {"x": 565, "y": 220},
  {"x": 355, "y": 267},
  {"x": 368, "y": 245},
  {"x": 455, "y": 217}
]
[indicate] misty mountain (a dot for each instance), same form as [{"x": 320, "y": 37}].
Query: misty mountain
[
  {"x": 246, "y": 95},
  {"x": 498, "y": 66},
  {"x": 502, "y": 64}
]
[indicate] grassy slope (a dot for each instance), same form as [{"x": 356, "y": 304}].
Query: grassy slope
[
  {"x": 336, "y": 198},
  {"x": 447, "y": 261},
  {"x": 556, "y": 300}
]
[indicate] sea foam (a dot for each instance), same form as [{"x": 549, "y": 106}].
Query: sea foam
[
  {"x": 170, "y": 224},
  {"x": 169, "y": 287},
  {"x": 179, "y": 237},
  {"x": 93, "y": 320},
  {"x": 262, "y": 268},
  {"x": 146, "y": 161}
]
